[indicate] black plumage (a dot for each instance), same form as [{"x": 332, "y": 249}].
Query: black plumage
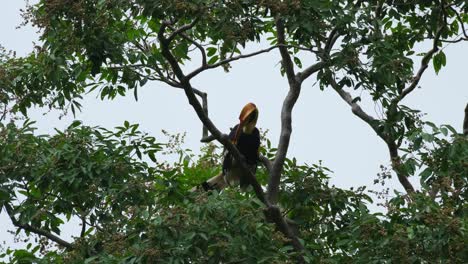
[{"x": 248, "y": 145}]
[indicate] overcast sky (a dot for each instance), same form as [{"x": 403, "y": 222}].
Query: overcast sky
[{"x": 323, "y": 126}]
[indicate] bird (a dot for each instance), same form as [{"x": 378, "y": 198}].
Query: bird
[{"x": 246, "y": 137}]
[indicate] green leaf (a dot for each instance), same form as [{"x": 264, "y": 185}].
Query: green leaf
[
  {"x": 439, "y": 61},
  {"x": 213, "y": 59},
  {"x": 298, "y": 62},
  {"x": 4, "y": 194},
  {"x": 152, "y": 156},
  {"x": 74, "y": 124},
  {"x": 211, "y": 51},
  {"x": 426, "y": 173}
]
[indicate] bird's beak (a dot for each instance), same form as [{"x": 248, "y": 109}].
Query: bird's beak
[{"x": 248, "y": 110}]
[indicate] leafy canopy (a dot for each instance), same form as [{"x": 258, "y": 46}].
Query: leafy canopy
[{"x": 135, "y": 207}]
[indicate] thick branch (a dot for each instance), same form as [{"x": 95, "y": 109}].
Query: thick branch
[
  {"x": 332, "y": 38},
  {"x": 286, "y": 58},
  {"x": 301, "y": 76},
  {"x": 266, "y": 162},
  {"x": 286, "y": 117},
  {"x": 283, "y": 145},
  {"x": 36, "y": 230}
]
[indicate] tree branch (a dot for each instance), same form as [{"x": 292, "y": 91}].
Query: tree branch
[
  {"x": 205, "y": 66},
  {"x": 181, "y": 29},
  {"x": 460, "y": 20},
  {"x": 266, "y": 162},
  {"x": 198, "y": 45},
  {"x": 355, "y": 107},
  {"x": 286, "y": 58},
  {"x": 301, "y": 76},
  {"x": 424, "y": 64},
  {"x": 83, "y": 226},
  {"x": 397, "y": 166},
  {"x": 286, "y": 116},
  {"x": 372, "y": 122},
  {"x": 36, "y": 230}
]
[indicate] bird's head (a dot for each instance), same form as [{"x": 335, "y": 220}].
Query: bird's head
[{"x": 247, "y": 120}]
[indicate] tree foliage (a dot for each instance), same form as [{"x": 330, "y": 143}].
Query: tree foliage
[{"x": 135, "y": 207}]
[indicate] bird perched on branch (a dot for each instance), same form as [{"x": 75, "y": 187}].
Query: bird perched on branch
[{"x": 246, "y": 137}]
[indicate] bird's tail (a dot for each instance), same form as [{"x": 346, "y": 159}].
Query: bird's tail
[{"x": 214, "y": 183}]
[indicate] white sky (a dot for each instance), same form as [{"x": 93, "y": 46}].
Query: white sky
[{"x": 323, "y": 126}]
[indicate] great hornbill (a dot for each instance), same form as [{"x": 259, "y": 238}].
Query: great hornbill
[{"x": 246, "y": 137}]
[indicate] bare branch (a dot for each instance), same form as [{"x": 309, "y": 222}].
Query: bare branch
[
  {"x": 207, "y": 139},
  {"x": 355, "y": 107},
  {"x": 4, "y": 113},
  {"x": 301, "y": 76},
  {"x": 36, "y": 230},
  {"x": 283, "y": 145},
  {"x": 228, "y": 60},
  {"x": 266, "y": 162},
  {"x": 454, "y": 40}
]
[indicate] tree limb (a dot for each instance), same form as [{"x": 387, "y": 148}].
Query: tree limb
[
  {"x": 397, "y": 166},
  {"x": 424, "y": 64},
  {"x": 266, "y": 162},
  {"x": 36, "y": 230},
  {"x": 198, "y": 45},
  {"x": 205, "y": 66},
  {"x": 286, "y": 116},
  {"x": 372, "y": 122},
  {"x": 83, "y": 226},
  {"x": 355, "y": 107},
  {"x": 286, "y": 58},
  {"x": 181, "y": 29},
  {"x": 460, "y": 20},
  {"x": 301, "y": 76}
]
